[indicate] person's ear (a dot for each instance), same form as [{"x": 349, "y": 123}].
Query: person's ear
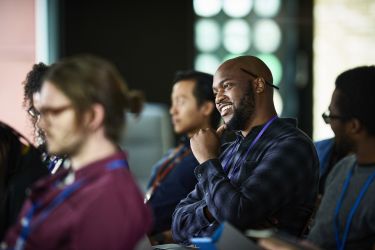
[
  {"x": 259, "y": 85},
  {"x": 96, "y": 116},
  {"x": 207, "y": 108},
  {"x": 355, "y": 126}
]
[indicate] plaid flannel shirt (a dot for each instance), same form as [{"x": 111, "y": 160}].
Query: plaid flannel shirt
[{"x": 276, "y": 185}]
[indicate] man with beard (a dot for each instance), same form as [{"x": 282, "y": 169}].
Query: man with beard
[
  {"x": 346, "y": 216},
  {"x": 329, "y": 152},
  {"x": 267, "y": 177},
  {"x": 95, "y": 204}
]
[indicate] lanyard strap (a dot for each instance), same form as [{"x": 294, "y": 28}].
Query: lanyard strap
[
  {"x": 240, "y": 160},
  {"x": 168, "y": 166},
  {"x": 68, "y": 191},
  {"x": 340, "y": 243},
  {"x": 173, "y": 159},
  {"x": 52, "y": 164},
  {"x": 231, "y": 152}
]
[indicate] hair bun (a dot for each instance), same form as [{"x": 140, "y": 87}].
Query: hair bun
[{"x": 136, "y": 101}]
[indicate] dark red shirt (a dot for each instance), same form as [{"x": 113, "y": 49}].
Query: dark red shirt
[{"x": 106, "y": 212}]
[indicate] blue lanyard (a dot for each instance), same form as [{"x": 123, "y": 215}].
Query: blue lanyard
[
  {"x": 52, "y": 164},
  {"x": 240, "y": 161},
  {"x": 58, "y": 200},
  {"x": 340, "y": 243}
]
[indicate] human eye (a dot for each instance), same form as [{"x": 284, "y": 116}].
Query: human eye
[
  {"x": 182, "y": 101},
  {"x": 227, "y": 85}
]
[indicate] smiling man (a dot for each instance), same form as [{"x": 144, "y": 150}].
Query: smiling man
[{"x": 267, "y": 177}]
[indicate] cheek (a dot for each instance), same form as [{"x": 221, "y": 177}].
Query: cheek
[
  {"x": 236, "y": 98},
  {"x": 187, "y": 112},
  {"x": 338, "y": 130}
]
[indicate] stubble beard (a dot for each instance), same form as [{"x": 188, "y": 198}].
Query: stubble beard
[{"x": 244, "y": 113}]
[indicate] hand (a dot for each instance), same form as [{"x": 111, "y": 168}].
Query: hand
[
  {"x": 221, "y": 130},
  {"x": 161, "y": 238},
  {"x": 205, "y": 145}
]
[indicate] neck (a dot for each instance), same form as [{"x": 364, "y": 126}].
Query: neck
[
  {"x": 94, "y": 149},
  {"x": 258, "y": 119},
  {"x": 365, "y": 151}
]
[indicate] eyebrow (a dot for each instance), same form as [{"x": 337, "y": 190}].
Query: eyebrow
[
  {"x": 220, "y": 83},
  {"x": 256, "y": 76}
]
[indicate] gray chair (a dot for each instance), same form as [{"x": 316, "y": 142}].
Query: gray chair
[{"x": 146, "y": 138}]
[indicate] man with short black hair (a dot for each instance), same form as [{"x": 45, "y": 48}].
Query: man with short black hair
[
  {"x": 193, "y": 108},
  {"x": 346, "y": 216}
]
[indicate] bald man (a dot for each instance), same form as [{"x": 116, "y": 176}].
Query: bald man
[{"x": 266, "y": 178}]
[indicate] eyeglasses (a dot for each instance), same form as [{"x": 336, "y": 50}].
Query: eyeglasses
[
  {"x": 33, "y": 112},
  {"x": 256, "y": 76},
  {"x": 47, "y": 113},
  {"x": 327, "y": 117}
]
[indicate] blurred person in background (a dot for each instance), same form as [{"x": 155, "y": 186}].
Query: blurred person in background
[
  {"x": 193, "y": 108},
  {"x": 346, "y": 216},
  {"x": 20, "y": 167},
  {"x": 95, "y": 204},
  {"x": 329, "y": 152},
  {"x": 32, "y": 86}
]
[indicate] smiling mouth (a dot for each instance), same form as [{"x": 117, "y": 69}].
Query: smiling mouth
[{"x": 225, "y": 109}]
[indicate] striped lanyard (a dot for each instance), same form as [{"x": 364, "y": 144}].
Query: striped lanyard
[
  {"x": 173, "y": 159},
  {"x": 68, "y": 191},
  {"x": 340, "y": 243},
  {"x": 235, "y": 146}
]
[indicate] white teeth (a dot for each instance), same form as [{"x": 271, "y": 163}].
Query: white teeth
[{"x": 225, "y": 108}]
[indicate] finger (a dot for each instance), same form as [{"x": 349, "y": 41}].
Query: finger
[{"x": 221, "y": 130}]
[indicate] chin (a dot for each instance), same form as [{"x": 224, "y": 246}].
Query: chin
[
  {"x": 177, "y": 130},
  {"x": 52, "y": 150}
]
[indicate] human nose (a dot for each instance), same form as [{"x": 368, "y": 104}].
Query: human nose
[
  {"x": 219, "y": 95},
  {"x": 172, "y": 110},
  {"x": 41, "y": 122}
]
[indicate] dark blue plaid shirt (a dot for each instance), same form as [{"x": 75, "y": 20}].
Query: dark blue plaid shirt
[{"x": 276, "y": 185}]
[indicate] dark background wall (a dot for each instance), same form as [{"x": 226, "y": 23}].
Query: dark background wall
[{"x": 147, "y": 40}]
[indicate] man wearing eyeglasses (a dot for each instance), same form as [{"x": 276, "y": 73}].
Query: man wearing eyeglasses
[
  {"x": 95, "y": 204},
  {"x": 267, "y": 177},
  {"x": 330, "y": 151},
  {"x": 346, "y": 216}
]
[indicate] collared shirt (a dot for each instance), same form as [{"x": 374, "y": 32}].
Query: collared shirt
[
  {"x": 107, "y": 212},
  {"x": 276, "y": 185},
  {"x": 174, "y": 187}
]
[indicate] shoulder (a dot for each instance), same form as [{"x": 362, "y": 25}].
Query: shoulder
[
  {"x": 324, "y": 144},
  {"x": 112, "y": 187},
  {"x": 286, "y": 129},
  {"x": 340, "y": 169}
]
